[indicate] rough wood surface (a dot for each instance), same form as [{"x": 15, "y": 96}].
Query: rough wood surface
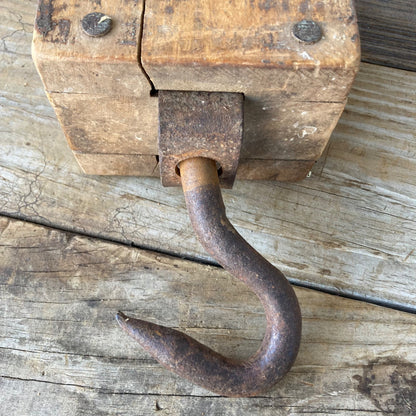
[
  {"x": 388, "y": 32},
  {"x": 294, "y": 92},
  {"x": 349, "y": 228},
  {"x": 96, "y": 85},
  {"x": 242, "y": 45},
  {"x": 63, "y": 353}
]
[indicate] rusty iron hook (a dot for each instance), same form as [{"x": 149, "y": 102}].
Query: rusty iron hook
[{"x": 195, "y": 361}]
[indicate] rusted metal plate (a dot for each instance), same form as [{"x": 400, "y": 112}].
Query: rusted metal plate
[{"x": 200, "y": 124}]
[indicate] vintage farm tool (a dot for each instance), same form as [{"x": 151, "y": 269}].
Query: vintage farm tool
[
  {"x": 163, "y": 83},
  {"x": 215, "y": 120}
]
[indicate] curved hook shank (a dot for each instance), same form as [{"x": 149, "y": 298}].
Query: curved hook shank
[{"x": 193, "y": 360}]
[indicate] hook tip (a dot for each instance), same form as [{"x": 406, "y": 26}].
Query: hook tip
[{"x": 121, "y": 318}]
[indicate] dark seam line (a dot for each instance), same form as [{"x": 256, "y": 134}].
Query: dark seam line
[{"x": 194, "y": 259}]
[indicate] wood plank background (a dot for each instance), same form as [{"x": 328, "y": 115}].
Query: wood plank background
[
  {"x": 61, "y": 344},
  {"x": 349, "y": 229},
  {"x": 388, "y": 32}
]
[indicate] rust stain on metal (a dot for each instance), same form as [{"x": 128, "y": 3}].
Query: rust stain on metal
[
  {"x": 200, "y": 124},
  {"x": 196, "y": 362}
]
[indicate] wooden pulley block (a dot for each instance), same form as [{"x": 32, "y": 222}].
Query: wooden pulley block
[{"x": 103, "y": 62}]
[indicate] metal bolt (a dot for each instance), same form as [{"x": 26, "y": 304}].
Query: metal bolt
[
  {"x": 96, "y": 24},
  {"x": 307, "y": 31}
]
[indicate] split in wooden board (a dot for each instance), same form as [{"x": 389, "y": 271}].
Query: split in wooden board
[
  {"x": 63, "y": 353},
  {"x": 101, "y": 87}
]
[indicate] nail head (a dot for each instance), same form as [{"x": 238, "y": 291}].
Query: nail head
[
  {"x": 307, "y": 31},
  {"x": 96, "y": 24}
]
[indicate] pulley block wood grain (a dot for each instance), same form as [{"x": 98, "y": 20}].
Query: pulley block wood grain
[{"x": 294, "y": 61}]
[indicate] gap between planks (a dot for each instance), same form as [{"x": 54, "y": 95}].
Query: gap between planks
[{"x": 196, "y": 260}]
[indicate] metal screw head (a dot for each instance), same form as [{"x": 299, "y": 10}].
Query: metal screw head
[
  {"x": 96, "y": 24},
  {"x": 307, "y": 31}
]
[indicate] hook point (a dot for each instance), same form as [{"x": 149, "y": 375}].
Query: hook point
[{"x": 121, "y": 318}]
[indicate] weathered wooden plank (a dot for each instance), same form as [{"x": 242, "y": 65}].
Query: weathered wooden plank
[
  {"x": 96, "y": 85},
  {"x": 294, "y": 92},
  {"x": 349, "y": 228},
  {"x": 243, "y": 47},
  {"x": 388, "y": 32},
  {"x": 63, "y": 353}
]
